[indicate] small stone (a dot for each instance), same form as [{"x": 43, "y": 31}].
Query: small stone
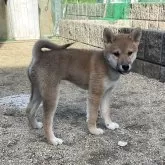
[{"x": 122, "y": 143}]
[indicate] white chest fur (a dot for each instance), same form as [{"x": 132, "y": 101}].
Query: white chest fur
[
  {"x": 104, "y": 106},
  {"x": 109, "y": 84}
]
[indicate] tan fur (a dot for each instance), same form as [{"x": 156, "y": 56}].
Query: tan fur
[{"x": 95, "y": 71}]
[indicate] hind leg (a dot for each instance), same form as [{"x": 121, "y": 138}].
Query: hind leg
[
  {"x": 50, "y": 101},
  {"x": 32, "y": 108}
]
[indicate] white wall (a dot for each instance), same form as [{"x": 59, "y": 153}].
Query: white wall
[{"x": 23, "y": 19}]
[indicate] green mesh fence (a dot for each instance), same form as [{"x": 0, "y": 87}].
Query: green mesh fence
[
  {"x": 115, "y": 11},
  {"x": 152, "y": 1}
]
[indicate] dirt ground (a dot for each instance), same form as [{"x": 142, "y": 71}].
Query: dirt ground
[{"x": 138, "y": 105}]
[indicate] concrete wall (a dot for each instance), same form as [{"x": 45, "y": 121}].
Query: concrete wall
[
  {"x": 146, "y": 16},
  {"x": 84, "y": 11},
  {"x": 151, "y": 56}
]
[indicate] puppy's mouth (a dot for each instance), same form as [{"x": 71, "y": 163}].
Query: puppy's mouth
[{"x": 123, "y": 72}]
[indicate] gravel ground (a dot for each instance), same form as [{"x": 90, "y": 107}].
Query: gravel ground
[{"x": 137, "y": 104}]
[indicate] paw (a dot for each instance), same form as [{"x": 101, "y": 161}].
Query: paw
[
  {"x": 37, "y": 125},
  {"x": 112, "y": 125},
  {"x": 96, "y": 131},
  {"x": 56, "y": 141}
]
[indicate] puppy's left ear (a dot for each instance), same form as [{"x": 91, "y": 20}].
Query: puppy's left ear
[{"x": 136, "y": 34}]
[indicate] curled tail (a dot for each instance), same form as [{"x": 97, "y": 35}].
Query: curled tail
[{"x": 37, "y": 49}]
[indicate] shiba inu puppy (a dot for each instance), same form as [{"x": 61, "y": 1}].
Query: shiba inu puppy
[{"x": 94, "y": 70}]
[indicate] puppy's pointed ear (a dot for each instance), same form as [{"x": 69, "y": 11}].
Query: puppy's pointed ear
[
  {"x": 108, "y": 36},
  {"x": 136, "y": 34}
]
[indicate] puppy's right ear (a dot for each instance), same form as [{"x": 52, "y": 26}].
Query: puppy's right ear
[
  {"x": 136, "y": 34},
  {"x": 108, "y": 36}
]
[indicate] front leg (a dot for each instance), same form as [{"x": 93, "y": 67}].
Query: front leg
[
  {"x": 105, "y": 111},
  {"x": 92, "y": 114}
]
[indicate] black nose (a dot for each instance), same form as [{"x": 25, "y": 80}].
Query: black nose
[{"x": 125, "y": 67}]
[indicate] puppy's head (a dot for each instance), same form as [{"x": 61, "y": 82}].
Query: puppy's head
[{"x": 121, "y": 50}]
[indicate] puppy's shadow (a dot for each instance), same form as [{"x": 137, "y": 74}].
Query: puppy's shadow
[
  {"x": 71, "y": 114},
  {"x": 75, "y": 115}
]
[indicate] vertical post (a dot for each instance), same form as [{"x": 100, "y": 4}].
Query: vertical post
[
  {"x": 56, "y": 14},
  {"x": 3, "y": 21}
]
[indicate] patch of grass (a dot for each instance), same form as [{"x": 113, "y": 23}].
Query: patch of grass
[{"x": 6, "y": 40}]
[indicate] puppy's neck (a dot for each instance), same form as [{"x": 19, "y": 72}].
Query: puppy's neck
[{"x": 113, "y": 74}]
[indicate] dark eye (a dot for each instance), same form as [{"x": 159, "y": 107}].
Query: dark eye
[
  {"x": 116, "y": 54},
  {"x": 130, "y": 53}
]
